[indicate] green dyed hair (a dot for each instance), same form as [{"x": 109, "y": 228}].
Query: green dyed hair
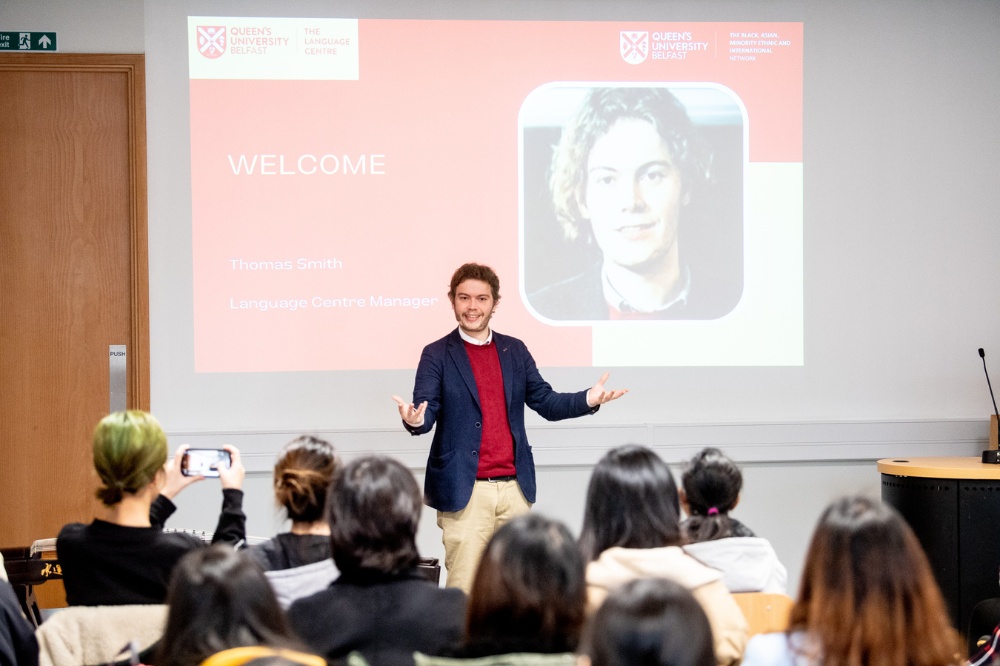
[{"x": 129, "y": 449}]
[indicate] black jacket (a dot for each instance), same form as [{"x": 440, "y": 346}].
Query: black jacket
[{"x": 385, "y": 617}]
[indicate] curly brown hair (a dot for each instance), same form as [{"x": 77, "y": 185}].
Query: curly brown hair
[
  {"x": 601, "y": 110},
  {"x": 472, "y": 271}
]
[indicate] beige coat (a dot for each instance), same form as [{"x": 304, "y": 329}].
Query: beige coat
[
  {"x": 96, "y": 634},
  {"x": 617, "y": 566}
]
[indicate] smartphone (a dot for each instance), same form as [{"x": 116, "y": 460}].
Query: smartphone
[{"x": 205, "y": 462}]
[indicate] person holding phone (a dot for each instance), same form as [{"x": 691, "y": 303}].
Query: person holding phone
[{"x": 124, "y": 556}]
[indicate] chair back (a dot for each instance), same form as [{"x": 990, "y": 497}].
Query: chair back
[{"x": 765, "y": 612}]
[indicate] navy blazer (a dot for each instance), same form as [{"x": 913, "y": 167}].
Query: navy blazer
[{"x": 445, "y": 380}]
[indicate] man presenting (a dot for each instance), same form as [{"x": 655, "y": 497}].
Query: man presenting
[{"x": 474, "y": 384}]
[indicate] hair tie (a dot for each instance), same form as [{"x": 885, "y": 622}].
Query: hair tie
[{"x": 713, "y": 511}]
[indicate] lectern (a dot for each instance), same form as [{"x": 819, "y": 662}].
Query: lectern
[{"x": 953, "y": 506}]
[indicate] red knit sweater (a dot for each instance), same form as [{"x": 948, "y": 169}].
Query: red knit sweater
[{"x": 496, "y": 450}]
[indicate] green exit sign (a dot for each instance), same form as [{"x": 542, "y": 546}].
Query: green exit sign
[{"x": 27, "y": 41}]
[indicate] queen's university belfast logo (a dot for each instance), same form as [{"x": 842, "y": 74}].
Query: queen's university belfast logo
[
  {"x": 211, "y": 40},
  {"x": 634, "y": 46}
]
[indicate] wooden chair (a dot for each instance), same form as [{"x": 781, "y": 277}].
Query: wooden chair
[{"x": 765, "y": 612}]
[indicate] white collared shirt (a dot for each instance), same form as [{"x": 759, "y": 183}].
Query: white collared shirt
[
  {"x": 612, "y": 297},
  {"x": 473, "y": 341}
]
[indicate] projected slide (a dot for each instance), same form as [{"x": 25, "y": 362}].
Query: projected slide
[{"x": 637, "y": 186}]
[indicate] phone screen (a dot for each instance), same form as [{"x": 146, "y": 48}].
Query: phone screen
[{"x": 205, "y": 462}]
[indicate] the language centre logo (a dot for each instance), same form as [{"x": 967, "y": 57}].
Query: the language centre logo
[
  {"x": 211, "y": 40},
  {"x": 634, "y": 46}
]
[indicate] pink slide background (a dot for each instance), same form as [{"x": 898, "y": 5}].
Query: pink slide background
[{"x": 440, "y": 101}]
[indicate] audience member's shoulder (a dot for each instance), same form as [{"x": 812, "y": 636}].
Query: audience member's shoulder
[
  {"x": 305, "y": 605},
  {"x": 741, "y": 530},
  {"x": 70, "y": 538},
  {"x": 73, "y": 534},
  {"x": 448, "y": 602},
  {"x": 451, "y": 595},
  {"x": 427, "y": 589},
  {"x": 266, "y": 554},
  {"x": 71, "y": 531}
]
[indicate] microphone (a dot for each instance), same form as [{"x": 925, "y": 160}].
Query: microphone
[
  {"x": 982, "y": 355},
  {"x": 990, "y": 456}
]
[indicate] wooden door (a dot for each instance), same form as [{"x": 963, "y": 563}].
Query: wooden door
[{"x": 73, "y": 275}]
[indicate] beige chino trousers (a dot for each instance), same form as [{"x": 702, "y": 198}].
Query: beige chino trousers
[{"x": 465, "y": 533}]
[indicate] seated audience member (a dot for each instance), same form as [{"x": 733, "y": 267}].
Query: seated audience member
[
  {"x": 219, "y": 599},
  {"x": 380, "y": 605},
  {"x": 867, "y": 597},
  {"x": 631, "y": 529},
  {"x": 529, "y": 593},
  {"x": 18, "y": 645},
  {"x": 710, "y": 489},
  {"x": 298, "y": 562},
  {"x": 650, "y": 621},
  {"x": 124, "y": 556},
  {"x": 301, "y": 478}
]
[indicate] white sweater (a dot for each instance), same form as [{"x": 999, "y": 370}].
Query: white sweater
[{"x": 748, "y": 564}]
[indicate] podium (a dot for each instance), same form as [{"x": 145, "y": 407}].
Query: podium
[{"x": 953, "y": 506}]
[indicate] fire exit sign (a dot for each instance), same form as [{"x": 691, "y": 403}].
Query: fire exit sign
[{"x": 27, "y": 41}]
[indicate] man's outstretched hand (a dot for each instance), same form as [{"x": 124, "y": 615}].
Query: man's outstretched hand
[
  {"x": 597, "y": 395},
  {"x": 414, "y": 416}
]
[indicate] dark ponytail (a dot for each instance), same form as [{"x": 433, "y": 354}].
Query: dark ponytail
[{"x": 712, "y": 484}]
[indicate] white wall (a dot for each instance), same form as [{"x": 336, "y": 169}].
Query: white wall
[
  {"x": 91, "y": 26},
  {"x": 939, "y": 214}
]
